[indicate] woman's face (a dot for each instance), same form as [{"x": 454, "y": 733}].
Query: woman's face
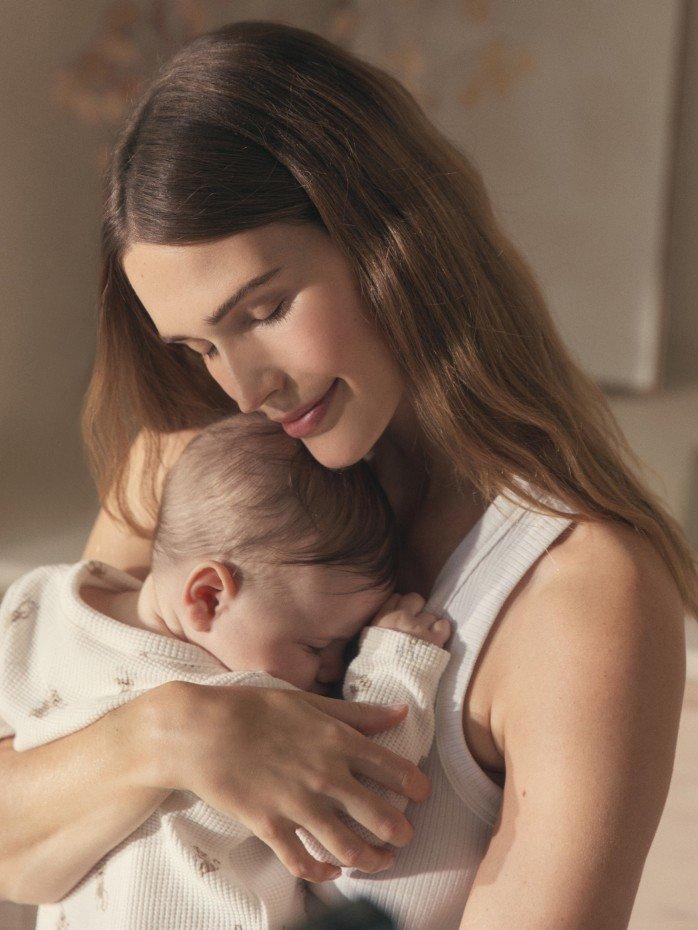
[{"x": 287, "y": 341}]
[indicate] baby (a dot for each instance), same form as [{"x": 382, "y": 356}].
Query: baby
[{"x": 265, "y": 567}]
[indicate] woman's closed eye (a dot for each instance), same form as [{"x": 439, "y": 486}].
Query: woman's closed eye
[{"x": 274, "y": 317}]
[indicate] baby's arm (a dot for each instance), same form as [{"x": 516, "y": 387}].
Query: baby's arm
[{"x": 400, "y": 660}]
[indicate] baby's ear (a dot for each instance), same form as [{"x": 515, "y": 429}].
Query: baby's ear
[{"x": 210, "y": 588}]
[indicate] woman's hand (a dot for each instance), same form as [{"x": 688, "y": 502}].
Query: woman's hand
[{"x": 276, "y": 760}]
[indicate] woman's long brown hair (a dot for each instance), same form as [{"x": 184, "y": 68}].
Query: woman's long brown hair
[{"x": 260, "y": 122}]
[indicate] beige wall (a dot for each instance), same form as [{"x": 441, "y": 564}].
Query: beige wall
[
  {"x": 49, "y": 235},
  {"x": 663, "y": 428}
]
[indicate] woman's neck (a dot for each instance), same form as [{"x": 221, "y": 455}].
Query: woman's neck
[
  {"x": 413, "y": 473},
  {"x": 434, "y": 510}
]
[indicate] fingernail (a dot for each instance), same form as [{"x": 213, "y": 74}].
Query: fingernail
[{"x": 395, "y": 706}]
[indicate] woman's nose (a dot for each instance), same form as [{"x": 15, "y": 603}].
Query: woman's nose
[
  {"x": 249, "y": 389},
  {"x": 249, "y": 402}
]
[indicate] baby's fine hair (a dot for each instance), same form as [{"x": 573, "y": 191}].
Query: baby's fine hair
[{"x": 245, "y": 492}]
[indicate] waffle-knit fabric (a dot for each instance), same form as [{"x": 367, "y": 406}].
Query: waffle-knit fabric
[
  {"x": 428, "y": 885},
  {"x": 64, "y": 665}
]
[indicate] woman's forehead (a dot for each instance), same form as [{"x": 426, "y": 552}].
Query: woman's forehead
[
  {"x": 235, "y": 256},
  {"x": 171, "y": 279}
]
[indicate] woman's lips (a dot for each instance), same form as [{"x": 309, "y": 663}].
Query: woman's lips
[{"x": 305, "y": 425}]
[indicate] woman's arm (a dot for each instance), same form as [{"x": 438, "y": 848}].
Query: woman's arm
[
  {"x": 67, "y": 803},
  {"x": 113, "y": 542},
  {"x": 587, "y": 719}
]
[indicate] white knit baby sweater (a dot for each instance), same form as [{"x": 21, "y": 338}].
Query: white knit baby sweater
[{"x": 64, "y": 665}]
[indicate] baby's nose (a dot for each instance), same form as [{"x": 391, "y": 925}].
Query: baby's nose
[{"x": 331, "y": 670}]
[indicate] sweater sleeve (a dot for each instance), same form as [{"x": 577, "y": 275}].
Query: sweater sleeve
[
  {"x": 15, "y": 605},
  {"x": 391, "y": 668}
]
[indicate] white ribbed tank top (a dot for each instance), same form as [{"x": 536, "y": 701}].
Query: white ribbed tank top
[{"x": 428, "y": 885}]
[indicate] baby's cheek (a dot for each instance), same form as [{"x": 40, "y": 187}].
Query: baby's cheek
[{"x": 299, "y": 669}]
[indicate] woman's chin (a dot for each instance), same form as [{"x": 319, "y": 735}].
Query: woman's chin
[{"x": 335, "y": 452}]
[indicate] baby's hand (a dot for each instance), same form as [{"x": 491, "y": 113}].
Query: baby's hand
[{"x": 403, "y": 612}]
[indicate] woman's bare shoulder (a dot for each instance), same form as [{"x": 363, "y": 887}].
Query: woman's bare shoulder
[
  {"x": 600, "y": 590},
  {"x": 608, "y": 568},
  {"x": 111, "y": 540}
]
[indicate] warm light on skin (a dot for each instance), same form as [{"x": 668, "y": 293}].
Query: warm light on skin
[{"x": 277, "y": 368}]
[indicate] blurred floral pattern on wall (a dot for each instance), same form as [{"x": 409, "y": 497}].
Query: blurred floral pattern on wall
[{"x": 103, "y": 81}]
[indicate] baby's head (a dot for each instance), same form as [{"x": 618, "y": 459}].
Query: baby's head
[{"x": 267, "y": 559}]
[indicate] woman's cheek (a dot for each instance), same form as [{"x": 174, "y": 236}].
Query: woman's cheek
[
  {"x": 224, "y": 385},
  {"x": 309, "y": 347}
]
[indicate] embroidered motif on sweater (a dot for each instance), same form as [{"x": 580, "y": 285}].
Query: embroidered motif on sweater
[
  {"x": 123, "y": 680},
  {"x": 25, "y": 609},
  {"x": 53, "y": 700},
  {"x": 204, "y": 862},
  {"x": 100, "y": 890},
  {"x": 361, "y": 682}
]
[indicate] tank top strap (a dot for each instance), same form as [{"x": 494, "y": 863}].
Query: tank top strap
[{"x": 471, "y": 590}]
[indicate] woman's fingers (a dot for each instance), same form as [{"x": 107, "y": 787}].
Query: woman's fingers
[
  {"x": 388, "y": 769},
  {"x": 281, "y": 837},
  {"x": 344, "y": 843},
  {"x": 362, "y": 716},
  {"x": 374, "y": 813},
  {"x": 302, "y": 749},
  {"x": 383, "y": 766}
]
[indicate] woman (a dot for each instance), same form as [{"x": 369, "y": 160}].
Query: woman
[{"x": 285, "y": 229}]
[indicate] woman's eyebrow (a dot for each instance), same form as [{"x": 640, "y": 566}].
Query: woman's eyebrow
[{"x": 231, "y": 302}]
